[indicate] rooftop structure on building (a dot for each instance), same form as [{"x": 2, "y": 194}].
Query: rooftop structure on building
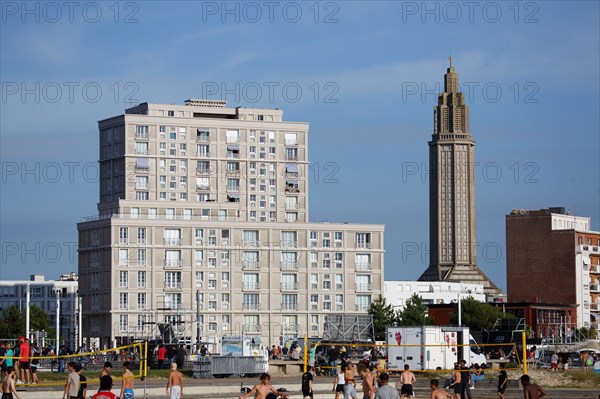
[
  {"x": 203, "y": 231},
  {"x": 397, "y": 292}
]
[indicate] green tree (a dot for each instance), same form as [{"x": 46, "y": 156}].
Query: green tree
[
  {"x": 383, "y": 315},
  {"x": 478, "y": 315},
  {"x": 414, "y": 313},
  {"x": 12, "y": 321}
]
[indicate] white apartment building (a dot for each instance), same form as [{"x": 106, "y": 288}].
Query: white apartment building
[
  {"x": 203, "y": 231},
  {"x": 43, "y": 293},
  {"x": 397, "y": 292}
]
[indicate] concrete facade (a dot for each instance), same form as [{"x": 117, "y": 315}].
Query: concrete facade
[
  {"x": 203, "y": 227},
  {"x": 452, "y": 238},
  {"x": 552, "y": 257},
  {"x": 43, "y": 293}
]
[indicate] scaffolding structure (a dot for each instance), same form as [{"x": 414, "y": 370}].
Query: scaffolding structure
[{"x": 348, "y": 328}]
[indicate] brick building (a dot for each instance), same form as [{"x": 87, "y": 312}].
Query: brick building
[{"x": 554, "y": 257}]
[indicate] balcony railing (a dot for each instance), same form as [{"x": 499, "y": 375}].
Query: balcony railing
[
  {"x": 173, "y": 284},
  {"x": 233, "y": 189},
  {"x": 141, "y": 136},
  {"x": 291, "y": 206},
  {"x": 202, "y": 172},
  {"x": 363, "y": 287},
  {"x": 289, "y": 265},
  {"x": 288, "y": 244},
  {"x": 291, "y": 142},
  {"x": 361, "y": 244},
  {"x": 250, "y": 306},
  {"x": 291, "y": 157},
  {"x": 172, "y": 241},
  {"x": 251, "y": 328},
  {"x": 233, "y": 155},
  {"x": 362, "y": 308},
  {"x": 202, "y": 154},
  {"x": 251, "y": 286},
  {"x": 289, "y": 306},
  {"x": 251, "y": 265},
  {"x": 232, "y": 140},
  {"x": 142, "y": 186},
  {"x": 202, "y": 188},
  {"x": 173, "y": 262},
  {"x": 289, "y": 286},
  {"x": 363, "y": 266},
  {"x": 141, "y": 151}
]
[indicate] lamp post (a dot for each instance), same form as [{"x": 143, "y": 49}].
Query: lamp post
[
  {"x": 459, "y": 311},
  {"x": 197, "y": 316}
]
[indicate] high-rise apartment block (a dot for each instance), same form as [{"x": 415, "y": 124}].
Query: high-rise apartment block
[
  {"x": 202, "y": 231},
  {"x": 452, "y": 238},
  {"x": 553, "y": 256}
]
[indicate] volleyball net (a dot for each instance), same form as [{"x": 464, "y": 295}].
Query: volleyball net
[{"x": 92, "y": 364}]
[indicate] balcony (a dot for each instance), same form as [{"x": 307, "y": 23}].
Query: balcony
[
  {"x": 361, "y": 244},
  {"x": 232, "y": 172},
  {"x": 288, "y": 244},
  {"x": 251, "y": 328},
  {"x": 233, "y": 155},
  {"x": 289, "y": 306},
  {"x": 202, "y": 188},
  {"x": 289, "y": 286},
  {"x": 173, "y": 285},
  {"x": 362, "y": 308},
  {"x": 251, "y": 286},
  {"x": 172, "y": 241},
  {"x": 251, "y": 265},
  {"x": 173, "y": 262},
  {"x": 363, "y": 266},
  {"x": 595, "y": 288},
  {"x": 203, "y": 154},
  {"x": 364, "y": 287},
  {"x": 141, "y": 151},
  {"x": 289, "y": 266},
  {"x": 142, "y": 136},
  {"x": 250, "y": 306},
  {"x": 291, "y": 157},
  {"x": 142, "y": 186},
  {"x": 292, "y": 189},
  {"x": 234, "y": 189},
  {"x": 292, "y": 206},
  {"x": 202, "y": 172}
]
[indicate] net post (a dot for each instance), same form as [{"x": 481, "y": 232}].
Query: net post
[
  {"x": 524, "y": 339},
  {"x": 305, "y": 350}
]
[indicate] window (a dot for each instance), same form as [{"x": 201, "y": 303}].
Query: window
[
  {"x": 141, "y": 148},
  {"x": 291, "y": 186},
  {"x": 170, "y": 214},
  {"x": 289, "y": 239},
  {"x": 232, "y": 136},
  {"x": 291, "y": 217},
  {"x": 363, "y": 261},
  {"x": 338, "y": 236},
  {"x": 141, "y": 235},
  {"x": 123, "y": 322},
  {"x": 123, "y": 257},
  {"x": 314, "y": 259},
  {"x": 141, "y": 132},
  {"x": 202, "y": 135},
  {"x": 250, "y": 259},
  {"x": 289, "y": 302},
  {"x": 141, "y": 279},
  {"x": 251, "y": 323},
  {"x": 225, "y": 258},
  {"x": 233, "y": 151},
  {"x": 250, "y": 238},
  {"x": 123, "y": 300},
  {"x": 172, "y": 279},
  {"x": 202, "y": 150},
  {"x": 141, "y": 257},
  {"x": 152, "y": 212},
  {"x": 123, "y": 279},
  {"x": 123, "y": 235},
  {"x": 173, "y": 258},
  {"x": 141, "y": 301},
  {"x": 250, "y": 281},
  {"x": 363, "y": 302},
  {"x": 291, "y": 139},
  {"x": 289, "y": 260},
  {"x": 172, "y": 236},
  {"x": 212, "y": 326},
  {"x": 289, "y": 281},
  {"x": 314, "y": 281},
  {"x": 291, "y": 154},
  {"x": 250, "y": 302},
  {"x": 233, "y": 184},
  {"x": 363, "y": 282},
  {"x": 173, "y": 300},
  {"x": 363, "y": 240},
  {"x": 339, "y": 281}
]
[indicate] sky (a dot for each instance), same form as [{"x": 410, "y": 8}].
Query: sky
[{"x": 364, "y": 74}]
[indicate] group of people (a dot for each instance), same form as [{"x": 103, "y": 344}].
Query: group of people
[
  {"x": 24, "y": 358},
  {"x": 76, "y": 386}
]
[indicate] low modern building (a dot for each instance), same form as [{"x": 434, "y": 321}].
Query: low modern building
[
  {"x": 46, "y": 294},
  {"x": 202, "y": 231},
  {"x": 397, "y": 292},
  {"x": 554, "y": 257}
]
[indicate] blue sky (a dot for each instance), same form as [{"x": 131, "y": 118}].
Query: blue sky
[{"x": 363, "y": 74}]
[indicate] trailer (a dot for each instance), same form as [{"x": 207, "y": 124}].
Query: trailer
[{"x": 430, "y": 347}]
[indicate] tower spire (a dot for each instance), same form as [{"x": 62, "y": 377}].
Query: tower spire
[{"x": 450, "y": 58}]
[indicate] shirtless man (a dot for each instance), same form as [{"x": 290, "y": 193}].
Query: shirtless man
[
  {"x": 367, "y": 381},
  {"x": 407, "y": 378},
  {"x": 262, "y": 390},
  {"x": 127, "y": 383},
  {"x": 349, "y": 390},
  {"x": 437, "y": 392},
  {"x": 457, "y": 382},
  {"x": 8, "y": 384},
  {"x": 175, "y": 382},
  {"x": 531, "y": 391}
]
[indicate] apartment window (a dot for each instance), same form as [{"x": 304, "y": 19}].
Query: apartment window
[
  {"x": 152, "y": 212},
  {"x": 291, "y": 154},
  {"x": 123, "y": 257},
  {"x": 289, "y": 281},
  {"x": 123, "y": 322},
  {"x": 289, "y": 260},
  {"x": 326, "y": 302},
  {"x": 232, "y": 167},
  {"x": 182, "y": 148},
  {"x": 339, "y": 257},
  {"x": 339, "y": 302},
  {"x": 289, "y": 302},
  {"x": 363, "y": 282},
  {"x": 202, "y": 198},
  {"x": 224, "y": 276},
  {"x": 141, "y": 257},
  {"x": 251, "y": 323},
  {"x": 291, "y": 186},
  {"x": 250, "y": 302},
  {"x": 326, "y": 282},
  {"x": 172, "y": 279},
  {"x": 141, "y": 235},
  {"x": 233, "y": 151},
  {"x": 338, "y": 236},
  {"x": 326, "y": 243},
  {"x": 170, "y": 214},
  {"x": 123, "y": 279},
  {"x": 233, "y": 184},
  {"x": 314, "y": 259},
  {"x": 141, "y": 148},
  {"x": 363, "y": 240},
  {"x": 172, "y": 236},
  {"x": 250, "y": 259},
  {"x": 202, "y": 150},
  {"x": 326, "y": 264},
  {"x": 339, "y": 281},
  {"x": 250, "y": 281},
  {"x": 314, "y": 281},
  {"x": 225, "y": 322},
  {"x": 289, "y": 238},
  {"x": 363, "y": 302},
  {"x": 363, "y": 261},
  {"x": 141, "y": 132},
  {"x": 232, "y": 136},
  {"x": 173, "y": 258},
  {"x": 173, "y": 300},
  {"x": 123, "y": 235},
  {"x": 291, "y": 217},
  {"x": 202, "y": 134},
  {"x": 141, "y": 279},
  {"x": 224, "y": 258},
  {"x": 171, "y": 113},
  {"x": 250, "y": 238},
  {"x": 123, "y": 300},
  {"x": 199, "y": 279},
  {"x": 141, "y": 299},
  {"x": 291, "y": 139}
]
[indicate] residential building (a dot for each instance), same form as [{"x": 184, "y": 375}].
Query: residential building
[
  {"x": 553, "y": 256},
  {"x": 203, "y": 231},
  {"x": 397, "y": 292},
  {"x": 452, "y": 239},
  {"x": 46, "y": 294}
]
